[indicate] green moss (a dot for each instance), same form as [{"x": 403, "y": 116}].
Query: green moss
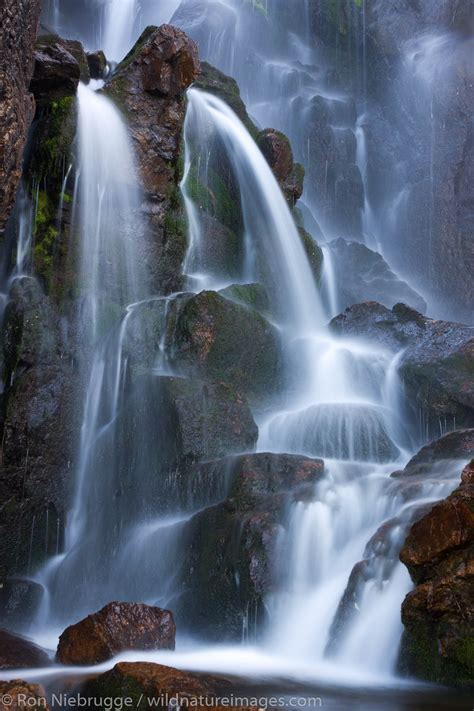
[
  {"x": 214, "y": 198},
  {"x": 313, "y": 252},
  {"x": 253, "y": 295}
]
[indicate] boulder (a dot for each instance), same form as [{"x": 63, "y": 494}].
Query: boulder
[
  {"x": 18, "y": 694},
  {"x": 276, "y": 148},
  {"x": 253, "y": 295},
  {"x": 149, "y": 86},
  {"x": 17, "y": 107},
  {"x": 457, "y": 445},
  {"x": 218, "y": 340},
  {"x": 118, "y": 627},
  {"x": 364, "y": 275},
  {"x": 436, "y": 363},
  {"x": 20, "y": 653},
  {"x": 97, "y": 63},
  {"x": 438, "y": 614},
  {"x": 57, "y": 71},
  {"x": 155, "y": 682},
  {"x": 231, "y": 547}
]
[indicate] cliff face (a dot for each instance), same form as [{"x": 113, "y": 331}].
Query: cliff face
[{"x": 17, "y": 39}]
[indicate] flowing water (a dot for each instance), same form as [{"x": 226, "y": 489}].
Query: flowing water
[{"x": 341, "y": 399}]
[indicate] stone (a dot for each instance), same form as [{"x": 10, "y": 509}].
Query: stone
[
  {"x": 117, "y": 627},
  {"x": 437, "y": 361},
  {"x": 276, "y": 148},
  {"x": 18, "y": 652},
  {"x": 364, "y": 275},
  {"x": 19, "y": 600},
  {"x": 145, "y": 680},
  {"x": 17, "y": 107},
  {"x": 438, "y": 615},
  {"x": 218, "y": 340},
  {"x": 97, "y": 64},
  {"x": 149, "y": 87},
  {"x": 22, "y": 694},
  {"x": 231, "y": 547},
  {"x": 457, "y": 445},
  {"x": 57, "y": 71}
]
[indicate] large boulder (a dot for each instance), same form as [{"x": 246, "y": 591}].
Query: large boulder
[
  {"x": 17, "y": 40},
  {"x": 438, "y": 642},
  {"x": 457, "y": 445},
  {"x": 57, "y": 71},
  {"x": 149, "y": 87},
  {"x": 231, "y": 547},
  {"x": 364, "y": 275},
  {"x": 118, "y": 627},
  {"x": 155, "y": 682},
  {"x": 436, "y": 362},
  {"x": 20, "y": 653},
  {"x": 218, "y": 340}
]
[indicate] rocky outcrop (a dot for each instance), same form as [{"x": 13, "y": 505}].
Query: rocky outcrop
[
  {"x": 276, "y": 148},
  {"x": 19, "y": 600},
  {"x": 57, "y": 71},
  {"x": 15, "y": 695},
  {"x": 118, "y": 627},
  {"x": 436, "y": 363},
  {"x": 457, "y": 445},
  {"x": 17, "y": 35},
  {"x": 149, "y": 87},
  {"x": 364, "y": 275},
  {"x": 219, "y": 340},
  {"x": 231, "y": 547},
  {"x": 97, "y": 63},
  {"x": 438, "y": 642},
  {"x": 19, "y": 653},
  {"x": 155, "y": 683}
]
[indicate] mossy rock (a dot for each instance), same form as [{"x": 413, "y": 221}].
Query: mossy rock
[
  {"x": 313, "y": 252},
  {"x": 253, "y": 295},
  {"x": 223, "y": 341}
]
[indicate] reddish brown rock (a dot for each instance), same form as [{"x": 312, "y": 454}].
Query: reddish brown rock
[
  {"x": 18, "y": 694},
  {"x": 438, "y": 643},
  {"x": 57, "y": 71},
  {"x": 276, "y": 148},
  {"x": 17, "y": 38},
  {"x": 119, "y": 626},
  {"x": 18, "y": 652},
  {"x": 149, "y": 86}
]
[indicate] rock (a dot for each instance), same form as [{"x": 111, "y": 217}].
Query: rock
[
  {"x": 276, "y": 148},
  {"x": 118, "y": 627},
  {"x": 313, "y": 252},
  {"x": 364, "y": 275},
  {"x": 436, "y": 364},
  {"x": 21, "y": 694},
  {"x": 218, "y": 340},
  {"x": 222, "y": 251},
  {"x": 454, "y": 445},
  {"x": 57, "y": 71},
  {"x": 17, "y": 39},
  {"x": 144, "y": 680},
  {"x": 253, "y": 295},
  {"x": 149, "y": 87},
  {"x": 438, "y": 614},
  {"x": 231, "y": 547},
  {"x": 97, "y": 64},
  {"x": 19, "y": 653},
  {"x": 19, "y": 600}
]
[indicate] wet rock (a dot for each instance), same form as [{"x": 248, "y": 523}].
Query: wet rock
[
  {"x": 57, "y": 71},
  {"x": 97, "y": 64},
  {"x": 19, "y": 600},
  {"x": 222, "y": 341},
  {"x": 18, "y": 652},
  {"x": 144, "y": 680},
  {"x": 169, "y": 426},
  {"x": 222, "y": 250},
  {"x": 253, "y": 295},
  {"x": 364, "y": 275},
  {"x": 215, "y": 82},
  {"x": 439, "y": 614},
  {"x": 118, "y": 627},
  {"x": 231, "y": 547},
  {"x": 149, "y": 87},
  {"x": 437, "y": 359},
  {"x": 17, "y": 39},
  {"x": 22, "y": 695},
  {"x": 313, "y": 252},
  {"x": 276, "y": 148},
  {"x": 454, "y": 445}
]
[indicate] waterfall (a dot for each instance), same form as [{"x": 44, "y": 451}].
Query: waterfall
[{"x": 119, "y": 27}]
